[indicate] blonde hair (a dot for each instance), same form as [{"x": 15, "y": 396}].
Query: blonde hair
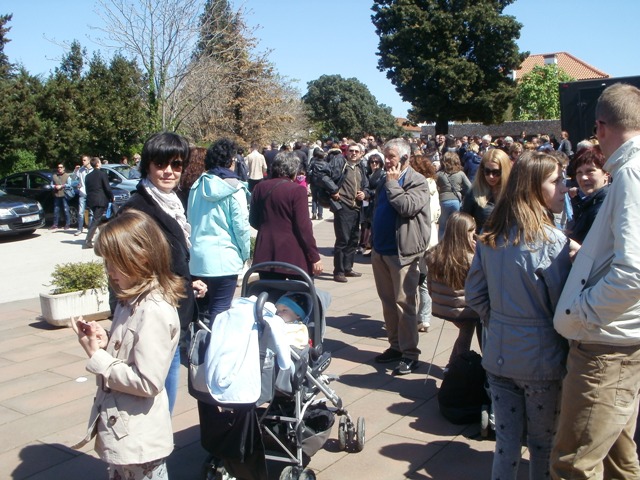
[
  {"x": 521, "y": 206},
  {"x": 133, "y": 244},
  {"x": 481, "y": 190},
  {"x": 449, "y": 261}
]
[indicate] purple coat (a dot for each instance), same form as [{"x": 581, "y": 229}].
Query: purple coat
[{"x": 286, "y": 232}]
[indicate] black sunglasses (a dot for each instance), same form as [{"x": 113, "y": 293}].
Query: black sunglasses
[
  {"x": 488, "y": 172},
  {"x": 176, "y": 164}
]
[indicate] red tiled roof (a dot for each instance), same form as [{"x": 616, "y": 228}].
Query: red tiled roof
[
  {"x": 573, "y": 66},
  {"x": 404, "y": 124}
]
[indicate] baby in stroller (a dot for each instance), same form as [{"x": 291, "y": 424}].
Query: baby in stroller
[
  {"x": 293, "y": 309},
  {"x": 284, "y": 424}
]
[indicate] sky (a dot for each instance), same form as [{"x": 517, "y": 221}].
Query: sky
[{"x": 311, "y": 38}]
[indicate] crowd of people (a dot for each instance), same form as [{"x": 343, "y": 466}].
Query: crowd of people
[{"x": 527, "y": 245}]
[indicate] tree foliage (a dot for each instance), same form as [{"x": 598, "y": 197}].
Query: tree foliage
[
  {"x": 346, "y": 108},
  {"x": 451, "y": 59},
  {"x": 537, "y": 94}
]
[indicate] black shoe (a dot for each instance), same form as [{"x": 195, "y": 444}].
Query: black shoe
[
  {"x": 87, "y": 246},
  {"x": 406, "y": 366},
  {"x": 313, "y": 217},
  {"x": 340, "y": 278},
  {"x": 319, "y": 217},
  {"x": 352, "y": 273},
  {"x": 388, "y": 356}
]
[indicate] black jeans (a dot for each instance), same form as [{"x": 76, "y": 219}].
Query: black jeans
[
  {"x": 97, "y": 212},
  {"x": 346, "y": 225}
]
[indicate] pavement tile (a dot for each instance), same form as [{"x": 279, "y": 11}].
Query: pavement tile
[
  {"x": 28, "y": 384},
  {"x": 8, "y": 415},
  {"x": 45, "y": 398},
  {"x": 10, "y": 370},
  {"x": 25, "y": 462}
]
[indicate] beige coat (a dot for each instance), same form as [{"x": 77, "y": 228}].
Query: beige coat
[{"x": 130, "y": 414}]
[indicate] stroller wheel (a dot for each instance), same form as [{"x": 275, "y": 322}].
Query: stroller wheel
[
  {"x": 307, "y": 475},
  {"x": 342, "y": 433},
  {"x": 212, "y": 469},
  {"x": 287, "y": 474},
  {"x": 360, "y": 433},
  {"x": 291, "y": 473}
]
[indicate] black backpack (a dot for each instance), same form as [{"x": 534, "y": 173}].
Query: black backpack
[
  {"x": 462, "y": 393},
  {"x": 317, "y": 170}
]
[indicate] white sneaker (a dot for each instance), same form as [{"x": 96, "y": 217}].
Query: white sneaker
[
  {"x": 78, "y": 232},
  {"x": 424, "y": 327}
]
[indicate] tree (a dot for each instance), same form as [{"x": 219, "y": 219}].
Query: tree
[
  {"x": 537, "y": 94},
  {"x": 5, "y": 67},
  {"x": 163, "y": 37},
  {"x": 116, "y": 117},
  {"x": 451, "y": 60},
  {"x": 346, "y": 108}
]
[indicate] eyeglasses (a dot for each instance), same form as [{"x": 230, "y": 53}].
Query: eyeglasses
[
  {"x": 489, "y": 172},
  {"x": 176, "y": 164}
]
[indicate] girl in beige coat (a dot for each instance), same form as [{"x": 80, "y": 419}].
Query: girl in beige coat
[{"x": 130, "y": 416}]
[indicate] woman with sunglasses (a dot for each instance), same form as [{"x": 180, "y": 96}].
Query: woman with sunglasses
[
  {"x": 517, "y": 274},
  {"x": 164, "y": 155},
  {"x": 488, "y": 185}
]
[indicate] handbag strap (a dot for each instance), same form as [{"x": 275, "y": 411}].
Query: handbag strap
[{"x": 454, "y": 191}]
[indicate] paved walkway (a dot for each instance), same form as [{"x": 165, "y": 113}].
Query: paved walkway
[{"x": 45, "y": 396}]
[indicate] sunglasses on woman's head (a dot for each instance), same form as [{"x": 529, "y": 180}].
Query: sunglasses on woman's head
[{"x": 489, "y": 172}]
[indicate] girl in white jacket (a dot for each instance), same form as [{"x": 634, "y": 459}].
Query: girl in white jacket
[{"x": 130, "y": 416}]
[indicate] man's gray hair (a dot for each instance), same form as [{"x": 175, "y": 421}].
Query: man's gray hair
[
  {"x": 285, "y": 165},
  {"x": 400, "y": 145}
]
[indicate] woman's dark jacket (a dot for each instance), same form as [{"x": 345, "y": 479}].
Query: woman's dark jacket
[
  {"x": 584, "y": 213},
  {"x": 174, "y": 234}
]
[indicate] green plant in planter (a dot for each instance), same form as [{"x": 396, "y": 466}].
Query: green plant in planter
[{"x": 78, "y": 276}]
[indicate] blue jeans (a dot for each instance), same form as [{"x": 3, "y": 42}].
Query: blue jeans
[
  {"x": 315, "y": 205},
  {"x": 523, "y": 406},
  {"x": 447, "y": 207},
  {"x": 424, "y": 310},
  {"x": 220, "y": 291},
  {"x": 173, "y": 380},
  {"x": 82, "y": 203},
  {"x": 61, "y": 202}
]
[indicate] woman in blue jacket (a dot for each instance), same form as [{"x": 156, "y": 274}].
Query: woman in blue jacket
[
  {"x": 219, "y": 217},
  {"x": 515, "y": 280}
]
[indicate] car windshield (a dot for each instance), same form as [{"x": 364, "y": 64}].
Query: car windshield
[{"x": 128, "y": 172}]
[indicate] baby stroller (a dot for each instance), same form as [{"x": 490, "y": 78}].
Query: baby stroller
[{"x": 296, "y": 408}]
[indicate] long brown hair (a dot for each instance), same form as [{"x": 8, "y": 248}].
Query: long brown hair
[
  {"x": 450, "y": 260},
  {"x": 133, "y": 244},
  {"x": 522, "y": 205}
]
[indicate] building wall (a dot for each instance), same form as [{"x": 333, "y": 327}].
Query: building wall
[{"x": 513, "y": 129}]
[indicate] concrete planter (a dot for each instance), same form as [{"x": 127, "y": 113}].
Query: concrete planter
[{"x": 91, "y": 304}]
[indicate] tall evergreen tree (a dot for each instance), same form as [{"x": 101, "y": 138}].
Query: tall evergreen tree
[
  {"x": 5, "y": 67},
  {"x": 451, "y": 59}
]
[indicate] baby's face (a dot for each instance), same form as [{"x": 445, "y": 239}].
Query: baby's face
[{"x": 286, "y": 313}]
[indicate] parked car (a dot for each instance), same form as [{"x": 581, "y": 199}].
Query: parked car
[
  {"x": 36, "y": 184},
  {"x": 19, "y": 215},
  {"x": 123, "y": 176}
]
